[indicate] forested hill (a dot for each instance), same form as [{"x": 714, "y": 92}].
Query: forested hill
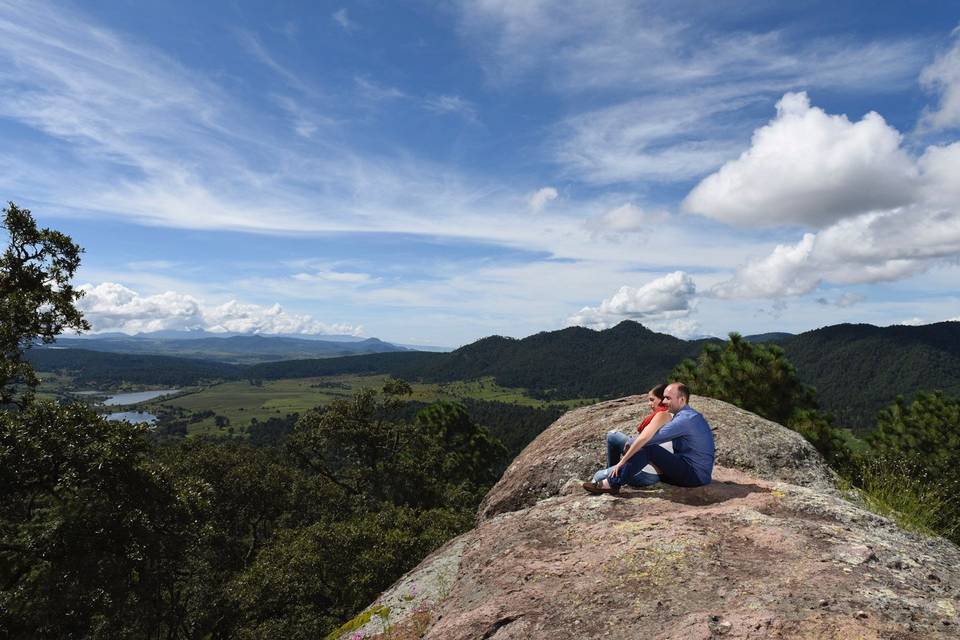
[
  {"x": 569, "y": 363},
  {"x": 858, "y": 369},
  {"x": 100, "y": 368},
  {"x": 574, "y": 362}
]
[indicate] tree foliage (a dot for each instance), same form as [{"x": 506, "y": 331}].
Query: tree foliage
[
  {"x": 90, "y": 529},
  {"x": 759, "y": 378},
  {"x": 36, "y": 296},
  {"x": 753, "y": 376},
  {"x": 924, "y": 432}
]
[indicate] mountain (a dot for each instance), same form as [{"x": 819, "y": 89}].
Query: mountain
[
  {"x": 769, "y": 549},
  {"x": 243, "y": 348},
  {"x": 569, "y": 363},
  {"x": 773, "y": 336},
  {"x": 103, "y": 369},
  {"x": 573, "y": 362},
  {"x": 858, "y": 369}
]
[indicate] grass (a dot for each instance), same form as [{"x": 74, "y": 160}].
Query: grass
[
  {"x": 910, "y": 498},
  {"x": 240, "y": 402}
]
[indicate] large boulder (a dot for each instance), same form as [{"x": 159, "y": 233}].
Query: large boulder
[
  {"x": 770, "y": 549},
  {"x": 573, "y": 447},
  {"x": 741, "y": 557}
]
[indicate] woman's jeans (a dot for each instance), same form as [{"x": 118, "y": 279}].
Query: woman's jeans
[{"x": 672, "y": 467}]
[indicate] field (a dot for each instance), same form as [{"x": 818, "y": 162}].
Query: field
[{"x": 241, "y": 402}]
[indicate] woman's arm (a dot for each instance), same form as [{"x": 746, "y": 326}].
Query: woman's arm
[{"x": 659, "y": 420}]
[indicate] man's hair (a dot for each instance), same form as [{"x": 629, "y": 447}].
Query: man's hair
[
  {"x": 658, "y": 390},
  {"x": 683, "y": 390}
]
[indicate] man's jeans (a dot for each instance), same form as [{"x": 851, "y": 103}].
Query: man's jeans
[{"x": 674, "y": 469}]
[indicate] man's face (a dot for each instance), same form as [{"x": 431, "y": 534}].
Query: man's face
[{"x": 672, "y": 399}]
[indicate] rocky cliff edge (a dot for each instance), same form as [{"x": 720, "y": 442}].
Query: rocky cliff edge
[{"x": 770, "y": 549}]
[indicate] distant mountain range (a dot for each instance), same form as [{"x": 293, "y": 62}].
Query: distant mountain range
[
  {"x": 238, "y": 348},
  {"x": 856, "y": 369}
]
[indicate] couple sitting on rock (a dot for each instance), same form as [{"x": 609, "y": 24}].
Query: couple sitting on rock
[{"x": 688, "y": 465}]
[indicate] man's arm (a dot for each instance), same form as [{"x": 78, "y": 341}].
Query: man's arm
[{"x": 679, "y": 426}]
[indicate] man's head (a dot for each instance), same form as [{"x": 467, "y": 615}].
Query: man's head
[{"x": 676, "y": 396}]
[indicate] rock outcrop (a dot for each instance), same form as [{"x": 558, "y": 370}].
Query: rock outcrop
[{"x": 770, "y": 549}]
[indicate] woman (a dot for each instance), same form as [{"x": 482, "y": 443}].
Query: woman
[{"x": 620, "y": 448}]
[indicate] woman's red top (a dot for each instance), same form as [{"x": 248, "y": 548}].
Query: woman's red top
[{"x": 659, "y": 409}]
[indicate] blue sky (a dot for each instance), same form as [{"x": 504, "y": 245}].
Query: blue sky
[{"x": 435, "y": 172}]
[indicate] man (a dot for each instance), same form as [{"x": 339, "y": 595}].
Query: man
[{"x": 690, "y": 464}]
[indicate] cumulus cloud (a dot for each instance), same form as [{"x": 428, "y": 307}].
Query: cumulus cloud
[
  {"x": 627, "y": 218},
  {"x": 539, "y": 199},
  {"x": 943, "y": 77},
  {"x": 873, "y": 247},
  {"x": 663, "y": 302},
  {"x": 882, "y": 214},
  {"x": 113, "y": 307},
  {"x": 809, "y": 168}
]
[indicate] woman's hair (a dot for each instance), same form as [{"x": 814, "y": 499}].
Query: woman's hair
[{"x": 658, "y": 390}]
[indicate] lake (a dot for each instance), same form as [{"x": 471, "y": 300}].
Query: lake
[
  {"x": 136, "y": 397},
  {"x": 133, "y": 416}
]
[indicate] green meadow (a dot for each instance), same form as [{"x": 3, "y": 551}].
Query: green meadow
[{"x": 242, "y": 401}]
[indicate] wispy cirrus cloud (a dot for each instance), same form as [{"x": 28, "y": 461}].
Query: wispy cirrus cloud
[
  {"x": 656, "y": 45},
  {"x": 342, "y": 18},
  {"x": 451, "y": 104},
  {"x": 672, "y": 96}
]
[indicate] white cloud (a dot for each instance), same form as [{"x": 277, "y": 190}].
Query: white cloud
[
  {"x": 376, "y": 92},
  {"x": 664, "y": 300},
  {"x": 912, "y": 322},
  {"x": 112, "y": 307},
  {"x": 627, "y": 218},
  {"x": 843, "y": 301},
  {"x": 341, "y": 18},
  {"x": 539, "y": 199},
  {"x": 885, "y": 215},
  {"x": 446, "y": 104},
  {"x": 939, "y": 167},
  {"x": 809, "y": 168},
  {"x": 663, "y": 138},
  {"x": 579, "y": 45},
  {"x": 344, "y": 277},
  {"x": 872, "y": 247},
  {"x": 942, "y": 77}
]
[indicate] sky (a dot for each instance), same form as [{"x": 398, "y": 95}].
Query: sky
[{"x": 436, "y": 172}]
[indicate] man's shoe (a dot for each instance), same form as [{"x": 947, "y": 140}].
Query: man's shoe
[{"x": 598, "y": 488}]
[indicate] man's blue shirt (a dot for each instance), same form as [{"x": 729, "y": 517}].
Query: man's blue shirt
[{"x": 692, "y": 441}]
